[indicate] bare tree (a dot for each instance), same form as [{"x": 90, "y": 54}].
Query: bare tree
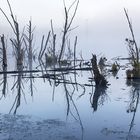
[
  {"x": 17, "y": 41},
  {"x": 67, "y": 25}
]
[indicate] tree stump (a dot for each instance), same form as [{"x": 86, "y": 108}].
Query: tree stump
[{"x": 98, "y": 77}]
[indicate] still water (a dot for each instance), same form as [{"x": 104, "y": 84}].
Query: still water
[{"x": 68, "y": 107}]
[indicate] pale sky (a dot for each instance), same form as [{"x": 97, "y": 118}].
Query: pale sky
[
  {"x": 101, "y": 23},
  {"x": 42, "y": 11}
]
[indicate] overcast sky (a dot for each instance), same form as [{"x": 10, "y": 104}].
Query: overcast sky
[
  {"x": 100, "y": 22},
  {"x": 42, "y": 11}
]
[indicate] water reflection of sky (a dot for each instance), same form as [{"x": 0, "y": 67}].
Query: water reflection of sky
[{"x": 109, "y": 121}]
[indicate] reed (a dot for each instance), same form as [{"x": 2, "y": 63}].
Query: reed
[
  {"x": 134, "y": 52},
  {"x": 43, "y": 46}
]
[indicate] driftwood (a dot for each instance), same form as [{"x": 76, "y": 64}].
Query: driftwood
[
  {"x": 71, "y": 69},
  {"x": 98, "y": 77},
  {"x": 22, "y": 71}
]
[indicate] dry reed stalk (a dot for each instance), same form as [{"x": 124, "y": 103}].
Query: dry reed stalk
[
  {"x": 43, "y": 46},
  {"x": 134, "y": 52},
  {"x": 133, "y": 36},
  {"x": 54, "y": 43}
]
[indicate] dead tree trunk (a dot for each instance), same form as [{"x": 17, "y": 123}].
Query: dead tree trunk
[
  {"x": 98, "y": 77},
  {"x": 4, "y": 52}
]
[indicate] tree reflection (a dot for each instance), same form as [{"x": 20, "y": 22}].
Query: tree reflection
[
  {"x": 134, "y": 101},
  {"x": 98, "y": 97},
  {"x": 4, "y": 82},
  {"x": 69, "y": 88},
  {"x": 19, "y": 86}
]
